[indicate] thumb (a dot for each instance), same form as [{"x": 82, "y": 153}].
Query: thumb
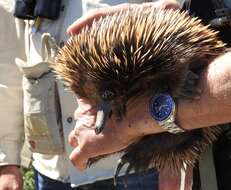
[
  {"x": 86, "y": 103},
  {"x": 72, "y": 139},
  {"x": 78, "y": 159}
]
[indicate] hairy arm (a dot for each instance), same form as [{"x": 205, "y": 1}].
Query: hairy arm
[{"x": 214, "y": 106}]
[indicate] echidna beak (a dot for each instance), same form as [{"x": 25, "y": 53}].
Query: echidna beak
[{"x": 103, "y": 112}]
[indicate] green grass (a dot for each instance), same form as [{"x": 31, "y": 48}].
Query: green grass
[{"x": 28, "y": 179}]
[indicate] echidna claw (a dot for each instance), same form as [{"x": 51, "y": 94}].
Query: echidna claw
[
  {"x": 129, "y": 168},
  {"x": 119, "y": 166}
]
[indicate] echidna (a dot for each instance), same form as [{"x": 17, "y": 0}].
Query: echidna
[{"x": 142, "y": 51}]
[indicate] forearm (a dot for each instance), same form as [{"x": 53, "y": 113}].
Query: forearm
[{"x": 214, "y": 106}]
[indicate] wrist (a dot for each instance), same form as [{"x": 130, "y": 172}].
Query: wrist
[{"x": 139, "y": 119}]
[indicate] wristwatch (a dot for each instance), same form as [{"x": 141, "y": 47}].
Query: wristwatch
[{"x": 162, "y": 108}]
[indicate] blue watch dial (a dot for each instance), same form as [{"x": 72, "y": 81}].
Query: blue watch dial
[{"x": 161, "y": 106}]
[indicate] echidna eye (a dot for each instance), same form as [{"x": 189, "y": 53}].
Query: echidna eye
[{"x": 107, "y": 94}]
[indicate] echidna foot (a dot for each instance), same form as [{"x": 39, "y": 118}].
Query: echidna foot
[{"x": 121, "y": 162}]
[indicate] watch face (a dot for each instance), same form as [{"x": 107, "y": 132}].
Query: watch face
[{"x": 161, "y": 106}]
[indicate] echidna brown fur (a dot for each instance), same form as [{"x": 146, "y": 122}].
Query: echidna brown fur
[{"x": 135, "y": 52}]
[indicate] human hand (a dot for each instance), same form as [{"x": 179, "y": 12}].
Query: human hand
[
  {"x": 89, "y": 145},
  {"x": 88, "y": 19},
  {"x": 10, "y": 178}
]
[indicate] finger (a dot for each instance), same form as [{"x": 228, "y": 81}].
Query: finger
[
  {"x": 84, "y": 21},
  {"x": 72, "y": 139},
  {"x": 85, "y": 107},
  {"x": 86, "y": 104},
  {"x": 78, "y": 159},
  {"x": 88, "y": 19},
  {"x": 166, "y": 4}
]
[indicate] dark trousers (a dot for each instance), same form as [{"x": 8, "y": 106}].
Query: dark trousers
[{"x": 137, "y": 181}]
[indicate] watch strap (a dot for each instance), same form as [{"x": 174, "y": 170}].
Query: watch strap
[{"x": 172, "y": 128}]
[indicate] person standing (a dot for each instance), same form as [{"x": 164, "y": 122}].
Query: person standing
[{"x": 11, "y": 127}]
